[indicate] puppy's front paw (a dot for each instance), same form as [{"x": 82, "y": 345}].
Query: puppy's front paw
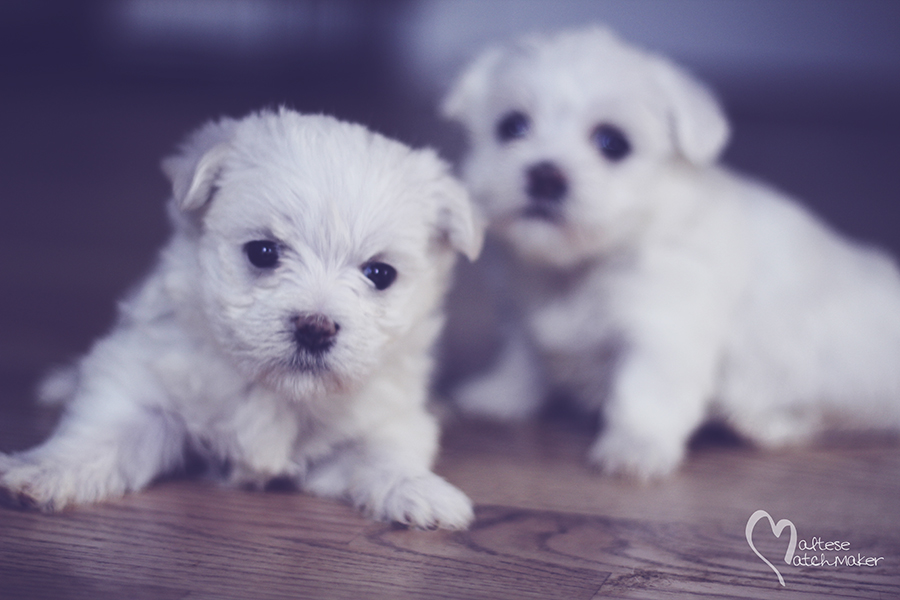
[
  {"x": 499, "y": 397},
  {"x": 11, "y": 494},
  {"x": 630, "y": 455},
  {"x": 495, "y": 399},
  {"x": 423, "y": 502},
  {"x": 31, "y": 485},
  {"x": 512, "y": 391},
  {"x": 45, "y": 481}
]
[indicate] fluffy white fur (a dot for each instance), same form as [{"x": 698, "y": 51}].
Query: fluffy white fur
[
  {"x": 661, "y": 288},
  {"x": 204, "y": 354}
]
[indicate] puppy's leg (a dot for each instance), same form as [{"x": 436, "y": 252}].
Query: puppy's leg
[
  {"x": 648, "y": 419},
  {"x": 260, "y": 440},
  {"x": 389, "y": 478},
  {"x": 103, "y": 448},
  {"x": 513, "y": 390},
  {"x": 666, "y": 377}
]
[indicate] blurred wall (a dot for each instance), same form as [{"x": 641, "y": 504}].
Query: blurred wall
[{"x": 764, "y": 55}]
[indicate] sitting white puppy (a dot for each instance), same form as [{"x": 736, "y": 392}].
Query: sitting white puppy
[
  {"x": 653, "y": 284},
  {"x": 286, "y": 331}
]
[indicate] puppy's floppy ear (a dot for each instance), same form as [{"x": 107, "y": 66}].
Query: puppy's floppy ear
[
  {"x": 458, "y": 221},
  {"x": 471, "y": 86},
  {"x": 699, "y": 125},
  {"x": 193, "y": 170}
]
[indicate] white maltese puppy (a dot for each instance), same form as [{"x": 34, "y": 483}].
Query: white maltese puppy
[
  {"x": 653, "y": 284},
  {"x": 286, "y": 332}
]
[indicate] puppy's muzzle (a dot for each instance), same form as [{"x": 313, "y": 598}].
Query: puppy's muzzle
[
  {"x": 315, "y": 333},
  {"x": 546, "y": 187}
]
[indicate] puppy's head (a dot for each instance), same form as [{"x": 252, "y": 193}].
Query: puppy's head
[
  {"x": 321, "y": 247},
  {"x": 567, "y": 133}
]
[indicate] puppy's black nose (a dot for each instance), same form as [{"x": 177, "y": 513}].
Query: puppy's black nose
[
  {"x": 546, "y": 183},
  {"x": 315, "y": 333}
]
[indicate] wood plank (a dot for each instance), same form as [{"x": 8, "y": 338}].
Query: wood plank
[
  {"x": 200, "y": 538},
  {"x": 547, "y": 527}
]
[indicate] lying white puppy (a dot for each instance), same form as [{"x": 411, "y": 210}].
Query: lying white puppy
[
  {"x": 654, "y": 284},
  {"x": 286, "y": 331}
]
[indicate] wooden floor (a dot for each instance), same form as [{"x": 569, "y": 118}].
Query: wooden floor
[{"x": 546, "y": 527}]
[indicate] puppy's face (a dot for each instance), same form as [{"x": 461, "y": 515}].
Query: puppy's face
[
  {"x": 320, "y": 244},
  {"x": 568, "y": 132}
]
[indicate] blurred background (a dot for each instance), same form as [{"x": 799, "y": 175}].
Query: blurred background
[{"x": 94, "y": 93}]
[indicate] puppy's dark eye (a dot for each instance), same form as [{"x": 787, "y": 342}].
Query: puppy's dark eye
[
  {"x": 513, "y": 126},
  {"x": 262, "y": 253},
  {"x": 611, "y": 142},
  {"x": 381, "y": 274}
]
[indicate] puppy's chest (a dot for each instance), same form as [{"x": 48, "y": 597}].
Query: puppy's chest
[
  {"x": 568, "y": 312},
  {"x": 260, "y": 428}
]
